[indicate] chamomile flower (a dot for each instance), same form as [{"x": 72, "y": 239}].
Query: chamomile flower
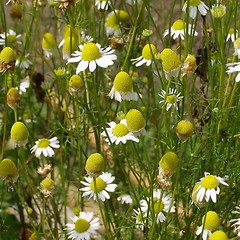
[
  {"x": 125, "y": 199},
  {"x": 48, "y": 44},
  {"x": 91, "y": 55},
  {"x": 210, "y": 222},
  {"x": 140, "y": 218},
  {"x": 236, "y": 221},
  {"x": 23, "y": 62},
  {"x": 19, "y": 134},
  {"x": 218, "y": 235},
  {"x": 232, "y": 34},
  {"x": 178, "y": 29},
  {"x": 83, "y": 226},
  {"x": 209, "y": 188},
  {"x": 237, "y": 48},
  {"x": 232, "y": 68},
  {"x": 102, "y": 4},
  {"x": 123, "y": 88},
  {"x": 99, "y": 186},
  {"x": 195, "y": 5},
  {"x": 147, "y": 56},
  {"x": 45, "y": 146},
  {"x": 118, "y": 133},
  {"x": 170, "y": 62},
  {"x": 10, "y": 38},
  {"x": 171, "y": 98},
  {"x": 159, "y": 204},
  {"x": 218, "y": 10}
]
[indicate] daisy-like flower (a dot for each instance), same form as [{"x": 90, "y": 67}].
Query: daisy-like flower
[
  {"x": 140, "y": 218},
  {"x": 236, "y": 221},
  {"x": 99, "y": 187},
  {"x": 218, "y": 10},
  {"x": 218, "y": 235},
  {"x": 157, "y": 206},
  {"x": 117, "y": 133},
  {"x": 44, "y": 146},
  {"x": 24, "y": 85},
  {"x": 11, "y": 38},
  {"x": 125, "y": 199},
  {"x": 209, "y": 188},
  {"x": 195, "y": 5},
  {"x": 171, "y": 99},
  {"x": 178, "y": 29},
  {"x": 102, "y": 4},
  {"x": 83, "y": 226},
  {"x": 123, "y": 88},
  {"x": 232, "y": 34},
  {"x": 237, "y": 48},
  {"x": 234, "y": 67},
  {"x": 210, "y": 222},
  {"x": 48, "y": 44},
  {"x": 147, "y": 56},
  {"x": 23, "y": 62},
  {"x": 91, "y": 55}
]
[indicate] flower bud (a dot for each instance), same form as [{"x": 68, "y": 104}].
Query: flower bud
[
  {"x": 95, "y": 164},
  {"x": 184, "y": 129}
]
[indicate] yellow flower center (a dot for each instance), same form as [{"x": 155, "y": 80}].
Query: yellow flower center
[
  {"x": 19, "y": 132},
  {"x": 76, "y": 82},
  {"x": 184, "y": 129},
  {"x": 212, "y": 221},
  {"x": 8, "y": 169},
  {"x": 47, "y": 183},
  {"x": 179, "y": 24},
  {"x": 237, "y": 43},
  {"x": 68, "y": 31},
  {"x": 218, "y": 235},
  {"x": 112, "y": 21},
  {"x": 194, "y": 2},
  {"x": 210, "y": 182},
  {"x": 90, "y": 52},
  {"x": 48, "y": 41},
  {"x": 156, "y": 206},
  {"x": 120, "y": 130},
  {"x": 100, "y": 185},
  {"x": 231, "y": 31},
  {"x": 170, "y": 60},
  {"x": 122, "y": 82},
  {"x": 7, "y": 55},
  {"x": 169, "y": 162},
  {"x": 95, "y": 164},
  {"x": 81, "y": 225},
  {"x": 218, "y": 12},
  {"x": 135, "y": 120},
  {"x": 171, "y": 99},
  {"x": 43, "y": 143},
  {"x": 140, "y": 217},
  {"x": 122, "y": 15},
  {"x": 69, "y": 45},
  {"x": 148, "y": 51},
  {"x": 11, "y": 39}
]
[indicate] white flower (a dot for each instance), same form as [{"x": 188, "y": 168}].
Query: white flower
[
  {"x": 23, "y": 62},
  {"x": 99, "y": 187},
  {"x": 147, "y": 56},
  {"x": 178, "y": 29},
  {"x": 234, "y": 67},
  {"x": 44, "y": 146},
  {"x": 206, "y": 232},
  {"x": 139, "y": 218},
  {"x": 236, "y": 221},
  {"x": 170, "y": 99},
  {"x": 101, "y": 4},
  {"x": 11, "y": 38},
  {"x": 123, "y": 88},
  {"x": 83, "y": 226},
  {"x": 195, "y": 5},
  {"x": 24, "y": 85},
  {"x": 118, "y": 133},
  {"x": 91, "y": 55},
  {"x": 159, "y": 204},
  {"x": 125, "y": 199},
  {"x": 209, "y": 188},
  {"x": 232, "y": 34}
]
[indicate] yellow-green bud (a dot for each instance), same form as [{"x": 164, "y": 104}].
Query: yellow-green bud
[
  {"x": 13, "y": 98},
  {"x": 135, "y": 120},
  {"x": 169, "y": 163},
  {"x": 29, "y": 210},
  {"x": 76, "y": 210},
  {"x": 7, "y": 59},
  {"x": 184, "y": 129},
  {"x": 122, "y": 16},
  {"x": 47, "y": 183},
  {"x": 76, "y": 82},
  {"x": 8, "y": 170},
  {"x": 95, "y": 164},
  {"x": 19, "y": 133}
]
